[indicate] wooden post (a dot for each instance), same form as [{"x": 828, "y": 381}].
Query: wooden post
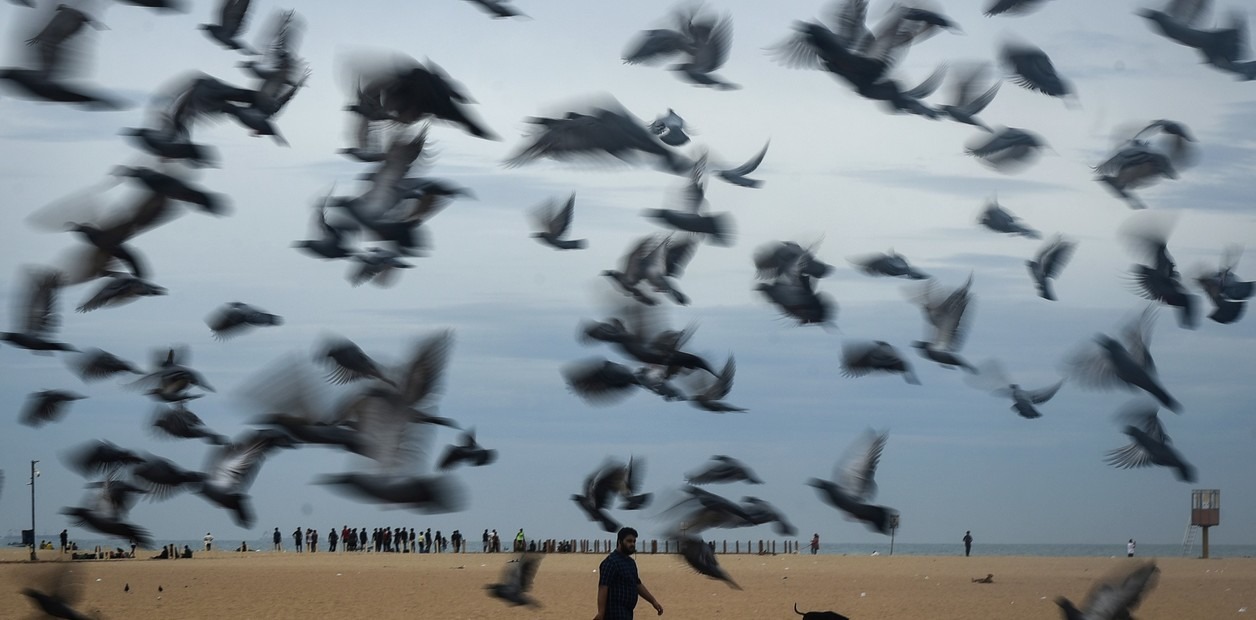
[
  {"x": 654, "y": 546},
  {"x": 1204, "y": 543},
  {"x": 736, "y": 546},
  {"x": 725, "y": 550}
]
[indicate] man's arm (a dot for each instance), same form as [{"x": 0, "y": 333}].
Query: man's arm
[
  {"x": 644, "y": 592},
  {"x": 602, "y": 594}
]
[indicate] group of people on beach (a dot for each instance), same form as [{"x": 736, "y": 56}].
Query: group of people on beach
[{"x": 379, "y": 540}]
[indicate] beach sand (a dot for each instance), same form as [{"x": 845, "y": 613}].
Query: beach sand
[{"x": 272, "y": 586}]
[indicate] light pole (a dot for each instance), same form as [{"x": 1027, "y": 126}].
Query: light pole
[{"x": 34, "y": 474}]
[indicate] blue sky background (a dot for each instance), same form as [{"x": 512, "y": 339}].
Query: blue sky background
[{"x": 839, "y": 171}]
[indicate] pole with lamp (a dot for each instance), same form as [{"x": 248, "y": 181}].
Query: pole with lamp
[
  {"x": 34, "y": 475},
  {"x": 893, "y": 530}
]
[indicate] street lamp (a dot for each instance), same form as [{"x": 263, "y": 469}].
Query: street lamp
[{"x": 34, "y": 475}]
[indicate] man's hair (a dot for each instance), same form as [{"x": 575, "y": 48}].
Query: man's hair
[{"x": 625, "y": 532}]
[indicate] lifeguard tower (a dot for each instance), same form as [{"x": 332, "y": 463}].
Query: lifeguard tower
[{"x": 1205, "y": 513}]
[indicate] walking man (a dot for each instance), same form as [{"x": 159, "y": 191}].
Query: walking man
[
  {"x": 618, "y": 584},
  {"x": 968, "y": 543}
]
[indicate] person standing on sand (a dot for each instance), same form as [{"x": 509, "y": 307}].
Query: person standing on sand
[
  {"x": 1129, "y": 548},
  {"x": 968, "y": 543},
  {"x": 815, "y": 543},
  {"x": 65, "y": 540},
  {"x": 277, "y": 538},
  {"x": 209, "y": 541},
  {"x": 618, "y": 584},
  {"x": 485, "y": 537},
  {"x": 296, "y": 539}
]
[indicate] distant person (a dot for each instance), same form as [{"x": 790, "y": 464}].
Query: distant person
[
  {"x": 968, "y": 543},
  {"x": 209, "y": 541},
  {"x": 456, "y": 540},
  {"x": 313, "y": 540},
  {"x": 519, "y": 541},
  {"x": 65, "y": 540},
  {"x": 331, "y": 540},
  {"x": 362, "y": 540},
  {"x": 618, "y": 584},
  {"x": 1129, "y": 548},
  {"x": 296, "y": 539},
  {"x": 278, "y": 539},
  {"x": 485, "y": 541},
  {"x": 815, "y": 543},
  {"x": 494, "y": 542},
  {"x": 187, "y": 551}
]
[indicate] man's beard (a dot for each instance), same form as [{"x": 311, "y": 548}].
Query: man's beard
[{"x": 626, "y": 550}]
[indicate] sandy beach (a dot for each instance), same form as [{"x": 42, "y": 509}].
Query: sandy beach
[{"x": 225, "y": 584}]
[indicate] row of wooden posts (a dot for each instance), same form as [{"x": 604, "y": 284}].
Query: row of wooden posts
[{"x": 760, "y": 547}]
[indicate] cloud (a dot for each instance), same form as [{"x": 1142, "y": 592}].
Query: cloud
[{"x": 954, "y": 184}]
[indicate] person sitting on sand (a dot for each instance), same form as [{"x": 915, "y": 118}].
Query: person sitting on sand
[
  {"x": 989, "y": 578},
  {"x": 164, "y": 555},
  {"x": 187, "y": 551}
]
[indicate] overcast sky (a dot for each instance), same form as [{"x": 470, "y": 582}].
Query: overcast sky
[{"x": 840, "y": 172}]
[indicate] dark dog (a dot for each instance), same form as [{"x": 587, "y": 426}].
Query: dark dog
[{"x": 819, "y": 615}]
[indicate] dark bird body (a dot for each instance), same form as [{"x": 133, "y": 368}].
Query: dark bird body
[
  {"x": 853, "y": 486},
  {"x": 862, "y": 358},
  {"x": 1048, "y": 263},
  {"x": 723, "y": 469},
  {"x": 701, "y": 558},
  {"x": 1149, "y": 445},
  {"x": 1126, "y": 363},
  {"x": 516, "y": 581},
  {"x": 46, "y": 406}
]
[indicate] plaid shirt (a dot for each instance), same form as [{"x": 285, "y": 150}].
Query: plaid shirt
[{"x": 618, "y": 573}]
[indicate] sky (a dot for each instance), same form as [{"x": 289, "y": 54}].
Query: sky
[{"x": 840, "y": 173}]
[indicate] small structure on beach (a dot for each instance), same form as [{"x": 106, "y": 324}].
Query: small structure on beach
[{"x": 1205, "y": 513}]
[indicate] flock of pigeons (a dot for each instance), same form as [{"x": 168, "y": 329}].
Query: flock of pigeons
[{"x": 386, "y": 415}]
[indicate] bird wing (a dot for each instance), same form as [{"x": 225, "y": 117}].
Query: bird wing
[
  {"x": 678, "y": 255},
  {"x": 850, "y": 17},
  {"x": 1116, "y": 598},
  {"x": 1142, "y": 416},
  {"x": 751, "y": 164},
  {"x": 653, "y": 46},
  {"x": 723, "y": 383},
  {"x": 1043, "y": 395},
  {"x": 234, "y": 15},
  {"x": 856, "y": 471},
  {"x": 990, "y": 377},
  {"x": 561, "y": 221},
  {"x": 41, "y": 318},
  {"x": 1137, "y": 338},
  {"x": 635, "y": 472},
  {"x": 930, "y": 84},
  {"x": 1092, "y": 368},
  {"x": 1187, "y": 12},
  {"x": 1055, "y": 256},
  {"x": 712, "y": 52},
  {"x": 422, "y": 376}
]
